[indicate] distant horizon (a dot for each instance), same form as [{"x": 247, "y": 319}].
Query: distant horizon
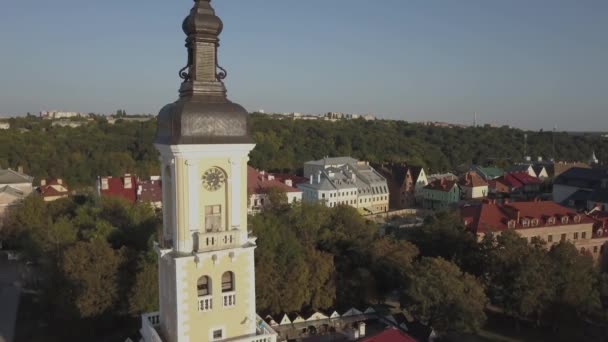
[
  {"x": 517, "y": 63},
  {"x": 480, "y": 124}
]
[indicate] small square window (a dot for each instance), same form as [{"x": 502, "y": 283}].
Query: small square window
[
  {"x": 550, "y": 238},
  {"x": 563, "y": 237},
  {"x": 217, "y": 334},
  {"x": 583, "y": 235},
  {"x": 575, "y": 236}
]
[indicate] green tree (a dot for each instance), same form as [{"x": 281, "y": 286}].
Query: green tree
[
  {"x": 447, "y": 298},
  {"x": 92, "y": 270},
  {"x": 277, "y": 197},
  {"x": 519, "y": 276},
  {"x": 144, "y": 294}
]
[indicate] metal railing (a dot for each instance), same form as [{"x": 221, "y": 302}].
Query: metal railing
[
  {"x": 229, "y": 299},
  {"x": 213, "y": 240},
  {"x": 149, "y": 323},
  {"x": 205, "y": 303}
]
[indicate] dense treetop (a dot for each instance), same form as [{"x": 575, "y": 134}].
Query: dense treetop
[{"x": 79, "y": 155}]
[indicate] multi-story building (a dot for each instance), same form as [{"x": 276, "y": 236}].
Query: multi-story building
[
  {"x": 515, "y": 185},
  {"x": 261, "y": 183},
  {"x": 206, "y": 255},
  {"x": 440, "y": 194},
  {"x": 547, "y": 221},
  {"x": 5, "y": 125},
  {"x": 473, "y": 186},
  {"x": 345, "y": 181},
  {"x": 404, "y": 183},
  {"x": 15, "y": 186},
  {"x": 582, "y": 188}
]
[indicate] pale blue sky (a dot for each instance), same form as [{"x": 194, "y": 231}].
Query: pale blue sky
[{"x": 528, "y": 63}]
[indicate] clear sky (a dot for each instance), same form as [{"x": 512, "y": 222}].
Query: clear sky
[{"x": 527, "y": 63}]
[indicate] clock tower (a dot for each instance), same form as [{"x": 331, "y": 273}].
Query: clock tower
[{"x": 206, "y": 255}]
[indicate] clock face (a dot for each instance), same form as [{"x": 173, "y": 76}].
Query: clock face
[{"x": 213, "y": 179}]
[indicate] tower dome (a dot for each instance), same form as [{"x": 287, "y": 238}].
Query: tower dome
[{"x": 202, "y": 114}]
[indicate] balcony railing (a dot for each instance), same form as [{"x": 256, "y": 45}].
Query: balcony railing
[
  {"x": 264, "y": 333},
  {"x": 205, "y": 303},
  {"x": 149, "y": 323},
  {"x": 229, "y": 299},
  {"x": 214, "y": 240}
]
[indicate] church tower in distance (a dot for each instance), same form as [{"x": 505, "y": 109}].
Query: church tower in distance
[{"x": 205, "y": 253}]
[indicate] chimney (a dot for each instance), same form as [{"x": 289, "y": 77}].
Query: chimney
[
  {"x": 60, "y": 181},
  {"x": 540, "y": 159},
  {"x": 319, "y": 177},
  {"x": 289, "y": 182},
  {"x": 20, "y": 169},
  {"x": 310, "y": 179},
  {"x": 43, "y": 182}
]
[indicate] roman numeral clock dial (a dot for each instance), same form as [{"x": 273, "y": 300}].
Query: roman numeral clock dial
[{"x": 213, "y": 179}]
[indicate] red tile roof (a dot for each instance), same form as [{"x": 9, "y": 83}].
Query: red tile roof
[
  {"x": 151, "y": 191},
  {"x": 472, "y": 180},
  {"x": 390, "y": 335},
  {"x": 514, "y": 180},
  {"x": 442, "y": 185},
  {"x": 259, "y": 183},
  {"x": 116, "y": 188},
  {"x": 53, "y": 188},
  {"x": 496, "y": 217}
]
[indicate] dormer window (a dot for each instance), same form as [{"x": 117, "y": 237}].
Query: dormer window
[
  {"x": 525, "y": 223},
  {"x": 104, "y": 184},
  {"x": 551, "y": 220},
  {"x": 577, "y": 219},
  {"x": 565, "y": 220},
  {"x": 511, "y": 224},
  {"x": 534, "y": 222}
]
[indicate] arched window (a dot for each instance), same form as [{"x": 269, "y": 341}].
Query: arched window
[
  {"x": 228, "y": 282},
  {"x": 203, "y": 286}
]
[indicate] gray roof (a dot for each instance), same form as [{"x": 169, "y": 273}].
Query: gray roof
[
  {"x": 582, "y": 177},
  {"x": 13, "y": 177},
  {"x": 333, "y": 161},
  {"x": 9, "y": 190}
]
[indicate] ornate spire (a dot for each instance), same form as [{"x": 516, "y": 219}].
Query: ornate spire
[
  {"x": 202, "y": 28},
  {"x": 203, "y": 114}
]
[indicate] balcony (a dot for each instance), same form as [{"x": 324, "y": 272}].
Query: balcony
[
  {"x": 216, "y": 240},
  {"x": 149, "y": 323},
  {"x": 205, "y": 303},
  {"x": 229, "y": 299}
]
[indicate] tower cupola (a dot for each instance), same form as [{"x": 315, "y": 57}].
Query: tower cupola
[{"x": 203, "y": 114}]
